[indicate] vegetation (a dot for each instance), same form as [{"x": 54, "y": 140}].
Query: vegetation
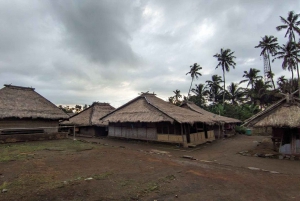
[{"x": 243, "y": 102}]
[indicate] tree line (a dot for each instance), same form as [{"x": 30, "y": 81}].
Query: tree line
[{"x": 261, "y": 91}]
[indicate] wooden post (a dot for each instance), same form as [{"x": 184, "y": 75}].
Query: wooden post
[
  {"x": 74, "y": 133},
  {"x": 182, "y": 133}
]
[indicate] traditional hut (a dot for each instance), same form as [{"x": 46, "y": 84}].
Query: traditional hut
[
  {"x": 148, "y": 117},
  {"x": 88, "y": 123},
  {"x": 284, "y": 119},
  {"x": 223, "y": 125},
  {"x": 24, "y": 111}
]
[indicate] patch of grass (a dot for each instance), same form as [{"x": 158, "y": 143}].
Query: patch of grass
[
  {"x": 18, "y": 151},
  {"x": 126, "y": 182},
  {"x": 102, "y": 176},
  {"x": 3, "y": 186},
  {"x": 151, "y": 187},
  {"x": 170, "y": 177}
]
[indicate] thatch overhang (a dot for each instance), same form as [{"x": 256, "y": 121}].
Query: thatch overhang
[
  {"x": 25, "y": 102},
  {"x": 284, "y": 113},
  {"x": 90, "y": 116},
  {"x": 213, "y": 117},
  {"x": 149, "y": 108}
]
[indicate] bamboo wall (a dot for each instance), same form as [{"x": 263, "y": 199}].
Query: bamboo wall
[
  {"x": 133, "y": 133},
  {"x": 30, "y": 123}
]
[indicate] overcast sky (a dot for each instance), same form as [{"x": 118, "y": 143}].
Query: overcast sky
[{"x": 77, "y": 52}]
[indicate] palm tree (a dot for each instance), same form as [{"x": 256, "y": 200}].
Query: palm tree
[
  {"x": 214, "y": 87},
  {"x": 251, "y": 77},
  {"x": 177, "y": 95},
  {"x": 235, "y": 93},
  {"x": 260, "y": 93},
  {"x": 269, "y": 45},
  {"x": 201, "y": 92},
  {"x": 291, "y": 23},
  {"x": 194, "y": 74},
  {"x": 281, "y": 81},
  {"x": 289, "y": 53},
  {"x": 225, "y": 59}
]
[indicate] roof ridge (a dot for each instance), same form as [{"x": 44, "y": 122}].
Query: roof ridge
[{"x": 19, "y": 87}]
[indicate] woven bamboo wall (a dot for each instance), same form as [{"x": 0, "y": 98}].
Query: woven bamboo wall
[{"x": 30, "y": 123}]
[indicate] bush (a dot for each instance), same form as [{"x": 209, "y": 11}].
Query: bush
[{"x": 240, "y": 129}]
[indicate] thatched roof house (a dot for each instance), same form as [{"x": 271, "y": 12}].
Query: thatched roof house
[
  {"x": 214, "y": 117},
  {"x": 284, "y": 118},
  {"x": 23, "y": 107},
  {"x": 149, "y": 117},
  {"x": 90, "y": 116},
  {"x": 87, "y": 122}
]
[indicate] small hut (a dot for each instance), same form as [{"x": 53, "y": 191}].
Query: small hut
[
  {"x": 148, "y": 117},
  {"x": 24, "y": 111},
  {"x": 284, "y": 119},
  {"x": 223, "y": 125},
  {"x": 88, "y": 123}
]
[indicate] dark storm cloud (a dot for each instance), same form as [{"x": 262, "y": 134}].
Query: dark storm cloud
[
  {"x": 76, "y": 52},
  {"x": 99, "y": 30}
]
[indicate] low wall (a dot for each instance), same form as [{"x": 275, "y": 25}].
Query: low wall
[
  {"x": 32, "y": 137},
  {"x": 197, "y": 138},
  {"x": 170, "y": 138}
]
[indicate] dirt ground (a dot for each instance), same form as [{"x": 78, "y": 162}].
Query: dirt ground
[{"x": 113, "y": 169}]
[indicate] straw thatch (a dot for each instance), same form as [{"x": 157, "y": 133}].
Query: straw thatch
[
  {"x": 149, "y": 108},
  {"x": 90, "y": 116},
  {"x": 214, "y": 117},
  {"x": 284, "y": 113},
  {"x": 24, "y": 102}
]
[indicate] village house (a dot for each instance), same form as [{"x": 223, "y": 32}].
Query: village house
[
  {"x": 87, "y": 122},
  {"x": 223, "y": 125},
  {"x": 283, "y": 118},
  {"x": 148, "y": 117},
  {"x": 24, "y": 111}
]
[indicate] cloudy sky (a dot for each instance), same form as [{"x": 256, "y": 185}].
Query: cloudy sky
[{"x": 77, "y": 52}]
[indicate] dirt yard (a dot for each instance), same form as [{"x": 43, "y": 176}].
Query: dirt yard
[{"x": 111, "y": 169}]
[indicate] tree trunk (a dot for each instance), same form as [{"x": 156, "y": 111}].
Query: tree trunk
[
  {"x": 271, "y": 71},
  {"x": 223, "y": 87},
  {"x": 190, "y": 88},
  {"x": 298, "y": 79}
]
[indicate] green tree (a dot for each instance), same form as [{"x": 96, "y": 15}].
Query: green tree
[
  {"x": 251, "y": 77},
  {"x": 177, "y": 96},
  {"x": 201, "y": 92},
  {"x": 289, "y": 53},
  {"x": 194, "y": 71},
  {"x": 269, "y": 45},
  {"x": 214, "y": 88},
  {"x": 226, "y": 60},
  {"x": 291, "y": 24},
  {"x": 235, "y": 93}
]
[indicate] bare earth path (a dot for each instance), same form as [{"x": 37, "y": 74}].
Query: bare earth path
[{"x": 110, "y": 169}]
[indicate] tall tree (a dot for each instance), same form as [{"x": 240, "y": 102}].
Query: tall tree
[
  {"x": 177, "y": 95},
  {"x": 269, "y": 45},
  {"x": 235, "y": 93},
  {"x": 290, "y": 55},
  {"x": 214, "y": 87},
  {"x": 226, "y": 60},
  {"x": 201, "y": 92},
  {"x": 194, "y": 71},
  {"x": 291, "y": 24},
  {"x": 251, "y": 77}
]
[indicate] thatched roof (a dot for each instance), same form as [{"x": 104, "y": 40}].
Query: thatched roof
[
  {"x": 284, "y": 113},
  {"x": 149, "y": 108},
  {"x": 90, "y": 116},
  {"x": 24, "y": 102},
  {"x": 214, "y": 117}
]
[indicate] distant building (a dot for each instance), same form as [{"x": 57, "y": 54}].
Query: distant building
[
  {"x": 148, "y": 117},
  {"x": 223, "y": 125},
  {"x": 23, "y": 110},
  {"x": 88, "y": 123}
]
